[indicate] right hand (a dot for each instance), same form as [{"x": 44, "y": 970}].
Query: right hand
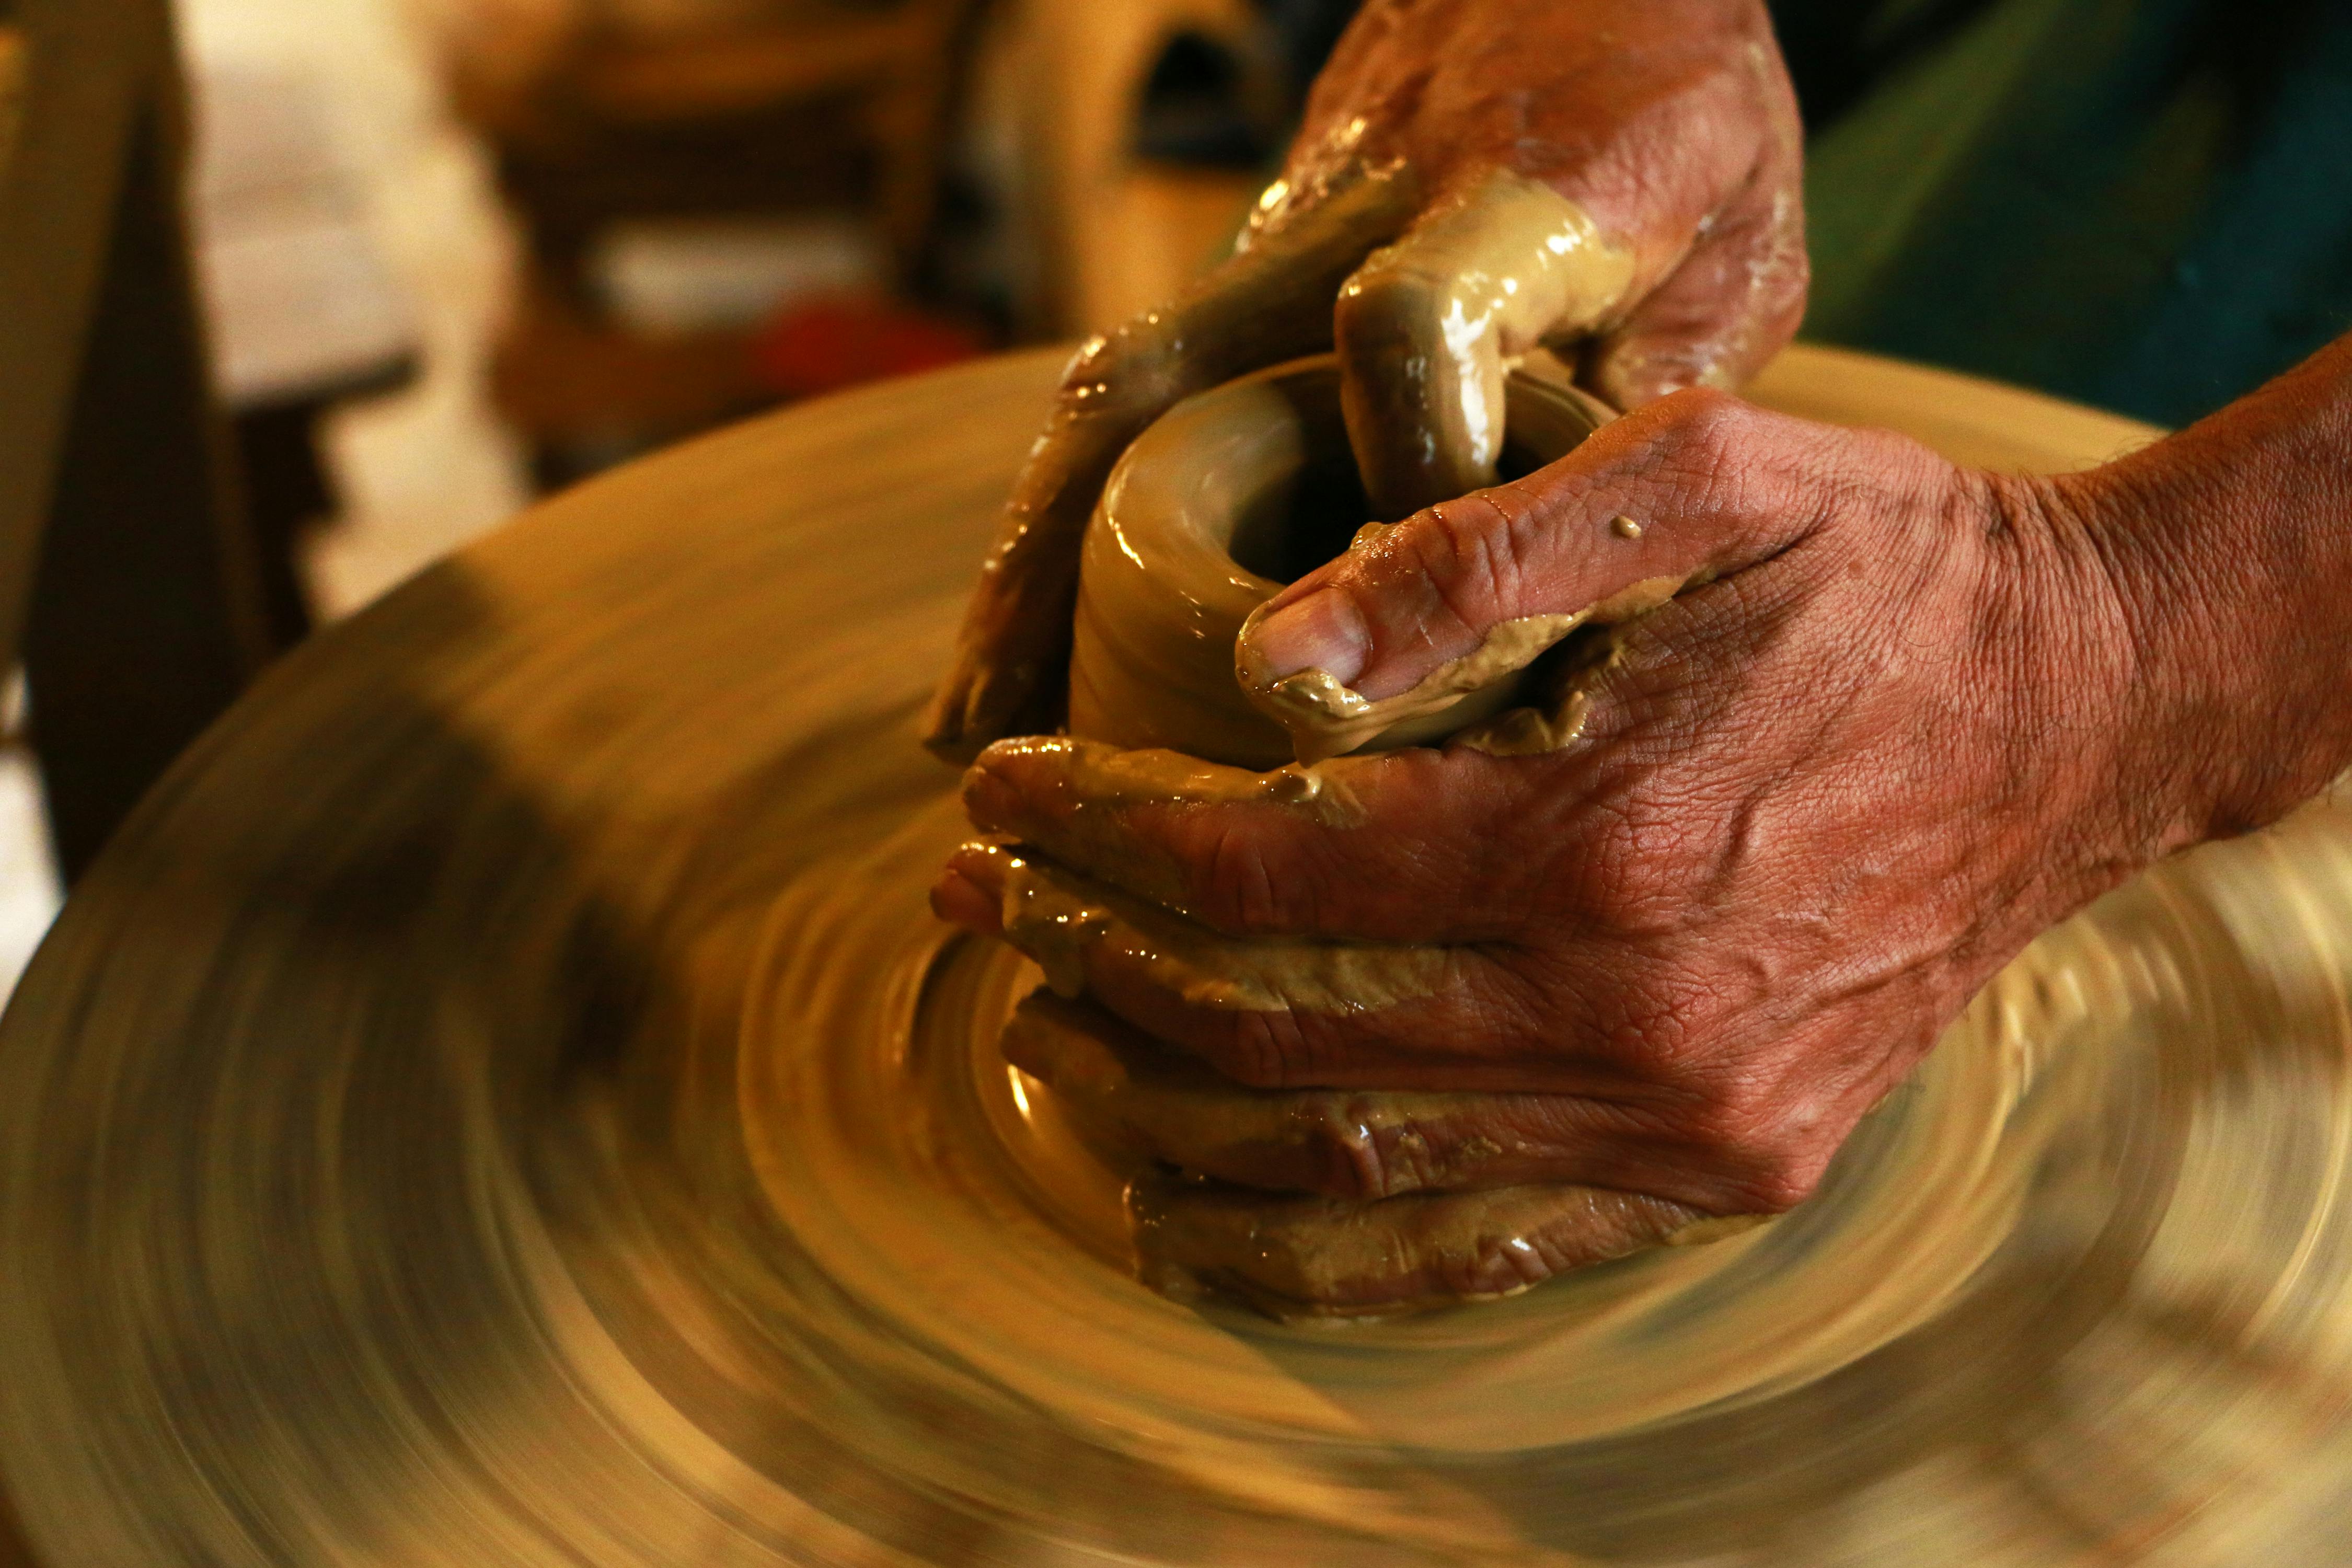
[
  {"x": 1445, "y": 1021},
  {"x": 1633, "y": 166}
]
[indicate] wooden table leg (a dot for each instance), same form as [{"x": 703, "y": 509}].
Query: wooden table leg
[{"x": 146, "y": 618}]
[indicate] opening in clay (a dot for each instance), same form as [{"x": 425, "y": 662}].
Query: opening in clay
[
  {"x": 1227, "y": 497},
  {"x": 1299, "y": 517}
]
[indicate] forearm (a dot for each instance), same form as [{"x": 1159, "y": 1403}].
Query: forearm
[{"x": 2232, "y": 545}]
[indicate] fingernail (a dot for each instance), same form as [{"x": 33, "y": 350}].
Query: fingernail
[
  {"x": 959, "y": 900},
  {"x": 991, "y": 801},
  {"x": 1321, "y": 631}
]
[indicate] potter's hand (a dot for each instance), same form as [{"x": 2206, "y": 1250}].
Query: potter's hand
[
  {"x": 1814, "y": 802},
  {"x": 1314, "y": 1202},
  {"x": 1619, "y": 178}
]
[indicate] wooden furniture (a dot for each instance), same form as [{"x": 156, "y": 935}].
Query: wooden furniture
[
  {"x": 823, "y": 104},
  {"x": 129, "y": 579},
  {"x": 764, "y": 112}
]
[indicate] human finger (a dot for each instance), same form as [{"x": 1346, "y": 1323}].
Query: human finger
[
  {"x": 1733, "y": 303},
  {"x": 1270, "y": 303},
  {"x": 1425, "y": 326},
  {"x": 1293, "y": 1013},
  {"x": 1173, "y": 976},
  {"x": 1585, "y": 1089},
  {"x": 1396, "y": 848},
  {"x": 1274, "y": 1012},
  {"x": 1695, "y": 488},
  {"x": 1317, "y": 1256},
  {"x": 1140, "y": 1095}
]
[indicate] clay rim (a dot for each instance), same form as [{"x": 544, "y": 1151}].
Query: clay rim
[{"x": 1191, "y": 534}]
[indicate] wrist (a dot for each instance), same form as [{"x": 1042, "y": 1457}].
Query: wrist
[
  {"x": 2229, "y": 554},
  {"x": 2079, "y": 689}
]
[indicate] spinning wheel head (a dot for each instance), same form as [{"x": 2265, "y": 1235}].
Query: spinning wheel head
[{"x": 504, "y": 1102}]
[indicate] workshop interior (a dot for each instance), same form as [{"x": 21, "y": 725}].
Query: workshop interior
[{"x": 1175, "y": 782}]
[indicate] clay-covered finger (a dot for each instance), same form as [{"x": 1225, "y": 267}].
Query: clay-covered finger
[
  {"x": 1275, "y": 1012},
  {"x": 1135, "y": 1094},
  {"x": 1692, "y": 488},
  {"x": 1425, "y": 327},
  {"x": 1270, "y": 303},
  {"x": 1313, "y": 1257},
  {"x": 1733, "y": 303},
  {"x": 1138, "y": 958},
  {"x": 1291, "y": 1012},
  {"x": 1396, "y": 848}
]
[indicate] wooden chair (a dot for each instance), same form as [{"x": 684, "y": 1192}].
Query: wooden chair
[
  {"x": 130, "y": 581},
  {"x": 828, "y": 104},
  {"x": 794, "y": 107}
]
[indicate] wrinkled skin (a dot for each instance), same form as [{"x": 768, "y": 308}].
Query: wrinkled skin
[
  {"x": 1322, "y": 1202},
  {"x": 1669, "y": 123},
  {"x": 1913, "y": 715},
  {"x": 1905, "y": 716},
  {"x": 1814, "y": 805}
]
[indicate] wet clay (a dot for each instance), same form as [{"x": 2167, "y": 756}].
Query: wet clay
[
  {"x": 1326, "y": 718},
  {"x": 1147, "y": 1101},
  {"x": 1269, "y": 304},
  {"x": 1063, "y": 921},
  {"x": 1094, "y": 782},
  {"x": 507, "y": 1102},
  {"x": 1308, "y": 1258},
  {"x": 1100, "y": 774},
  {"x": 1219, "y": 503},
  {"x": 1428, "y": 327},
  {"x": 1315, "y": 1248},
  {"x": 1226, "y": 495}
]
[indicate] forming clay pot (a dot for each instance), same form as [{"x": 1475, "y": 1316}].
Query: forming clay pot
[{"x": 1226, "y": 497}]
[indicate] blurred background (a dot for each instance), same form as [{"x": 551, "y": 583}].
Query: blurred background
[
  {"x": 489, "y": 247},
  {"x": 453, "y": 255}
]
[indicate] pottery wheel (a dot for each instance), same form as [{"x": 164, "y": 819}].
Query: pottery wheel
[{"x": 504, "y": 1100}]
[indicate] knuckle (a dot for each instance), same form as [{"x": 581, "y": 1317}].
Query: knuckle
[
  {"x": 1473, "y": 556},
  {"x": 1350, "y": 1160},
  {"x": 1650, "y": 1039},
  {"x": 1705, "y": 422},
  {"x": 1781, "y": 1183},
  {"x": 1675, "y": 1035},
  {"x": 1261, "y": 1049},
  {"x": 1766, "y": 1163},
  {"x": 1690, "y": 442},
  {"x": 1776, "y": 1175},
  {"x": 1235, "y": 889}
]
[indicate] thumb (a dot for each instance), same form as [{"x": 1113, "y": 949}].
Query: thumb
[
  {"x": 1694, "y": 488},
  {"x": 1425, "y": 327}
]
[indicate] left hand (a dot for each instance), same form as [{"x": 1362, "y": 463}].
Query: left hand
[
  {"x": 1621, "y": 180},
  {"x": 1815, "y": 803}
]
